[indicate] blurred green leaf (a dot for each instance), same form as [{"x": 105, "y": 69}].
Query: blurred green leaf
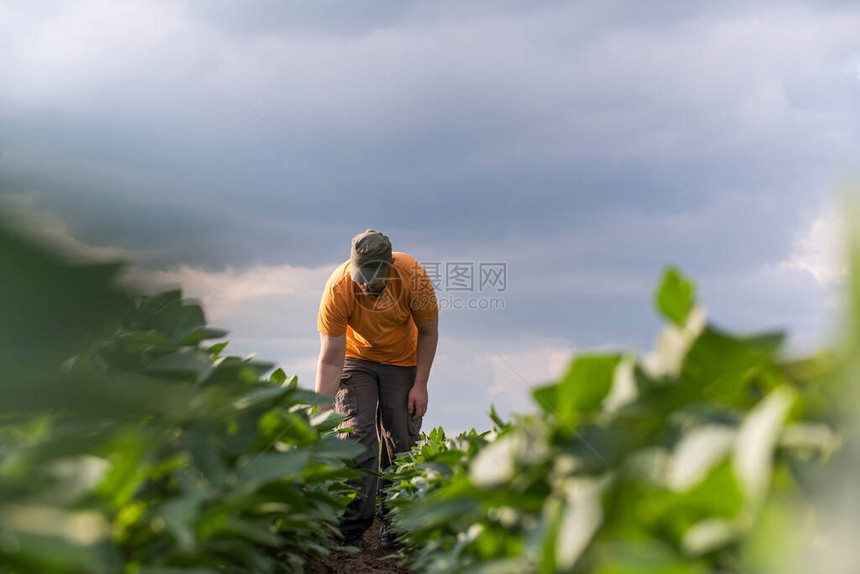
[
  {"x": 122, "y": 396},
  {"x": 722, "y": 367},
  {"x": 268, "y": 467},
  {"x": 142, "y": 318},
  {"x": 215, "y": 350},
  {"x": 130, "y": 460},
  {"x": 645, "y": 557},
  {"x": 757, "y": 438},
  {"x": 310, "y": 397},
  {"x": 185, "y": 362},
  {"x": 204, "y": 453},
  {"x": 546, "y": 397},
  {"x": 585, "y": 385},
  {"x": 51, "y": 306},
  {"x": 202, "y": 334},
  {"x": 327, "y": 421},
  {"x": 168, "y": 570},
  {"x": 179, "y": 515},
  {"x": 153, "y": 338},
  {"x": 120, "y": 460},
  {"x": 332, "y": 447},
  {"x": 497, "y": 421},
  {"x": 278, "y": 376},
  {"x": 178, "y": 320},
  {"x": 259, "y": 395},
  {"x": 253, "y": 532},
  {"x": 39, "y": 553},
  {"x": 675, "y": 296}
]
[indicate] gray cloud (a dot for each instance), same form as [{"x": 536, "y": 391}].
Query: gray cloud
[{"x": 586, "y": 146}]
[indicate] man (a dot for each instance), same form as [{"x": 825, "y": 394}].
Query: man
[{"x": 378, "y": 324}]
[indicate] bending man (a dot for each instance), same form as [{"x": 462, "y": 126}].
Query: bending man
[{"x": 378, "y": 324}]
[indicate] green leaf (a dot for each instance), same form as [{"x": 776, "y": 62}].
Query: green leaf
[
  {"x": 51, "y": 309},
  {"x": 585, "y": 385},
  {"x": 333, "y": 447},
  {"x": 153, "y": 338},
  {"x": 310, "y": 397},
  {"x": 178, "y": 320},
  {"x": 501, "y": 566},
  {"x": 327, "y": 421},
  {"x": 180, "y": 515},
  {"x": 115, "y": 397},
  {"x": 550, "y": 526},
  {"x": 259, "y": 368},
  {"x": 168, "y": 570},
  {"x": 215, "y": 350},
  {"x": 205, "y": 455},
  {"x": 148, "y": 306},
  {"x": 546, "y": 397},
  {"x": 130, "y": 460},
  {"x": 757, "y": 438},
  {"x": 202, "y": 334},
  {"x": 644, "y": 557},
  {"x": 497, "y": 420},
  {"x": 722, "y": 367},
  {"x": 441, "y": 512},
  {"x": 36, "y": 552},
  {"x": 185, "y": 362},
  {"x": 259, "y": 395},
  {"x": 674, "y": 298},
  {"x": 279, "y": 376},
  {"x": 270, "y": 467},
  {"x": 698, "y": 451},
  {"x": 242, "y": 432},
  {"x": 253, "y": 532},
  {"x": 768, "y": 344},
  {"x": 718, "y": 496},
  {"x": 496, "y": 464}
]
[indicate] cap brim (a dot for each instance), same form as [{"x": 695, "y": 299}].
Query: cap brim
[{"x": 369, "y": 273}]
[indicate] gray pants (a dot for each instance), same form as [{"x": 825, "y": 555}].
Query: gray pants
[{"x": 374, "y": 398}]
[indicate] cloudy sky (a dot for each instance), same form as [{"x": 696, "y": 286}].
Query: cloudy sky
[{"x": 235, "y": 148}]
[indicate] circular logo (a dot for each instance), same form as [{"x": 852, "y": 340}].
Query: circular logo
[{"x": 381, "y": 296}]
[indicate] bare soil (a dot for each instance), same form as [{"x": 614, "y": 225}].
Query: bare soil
[{"x": 371, "y": 560}]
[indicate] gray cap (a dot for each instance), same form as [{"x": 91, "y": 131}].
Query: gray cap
[{"x": 370, "y": 257}]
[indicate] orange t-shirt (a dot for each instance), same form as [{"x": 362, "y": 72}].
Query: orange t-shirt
[{"x": 380, "y": 329}]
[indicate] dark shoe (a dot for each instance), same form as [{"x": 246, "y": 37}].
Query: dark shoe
[
  {"x": 388, "y": 540},
  {"x": 356, "y": 540}
]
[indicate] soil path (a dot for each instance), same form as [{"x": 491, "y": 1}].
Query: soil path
[{"x": 371, "y": 560}]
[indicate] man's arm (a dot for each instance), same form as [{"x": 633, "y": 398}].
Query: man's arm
[
  {"x": 330, "y": 366},
  {"x": 428, "y": 336}
]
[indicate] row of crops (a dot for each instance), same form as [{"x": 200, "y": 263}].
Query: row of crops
[
  {"x": 130, "y": 442},
  {"x": 704, "y": 456}
]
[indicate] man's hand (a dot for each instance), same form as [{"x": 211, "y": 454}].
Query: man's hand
[
  {"x": 428, "y": 335},
  {"x": 330, "y": 366},
  {"x": 417, "y": 404}
]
